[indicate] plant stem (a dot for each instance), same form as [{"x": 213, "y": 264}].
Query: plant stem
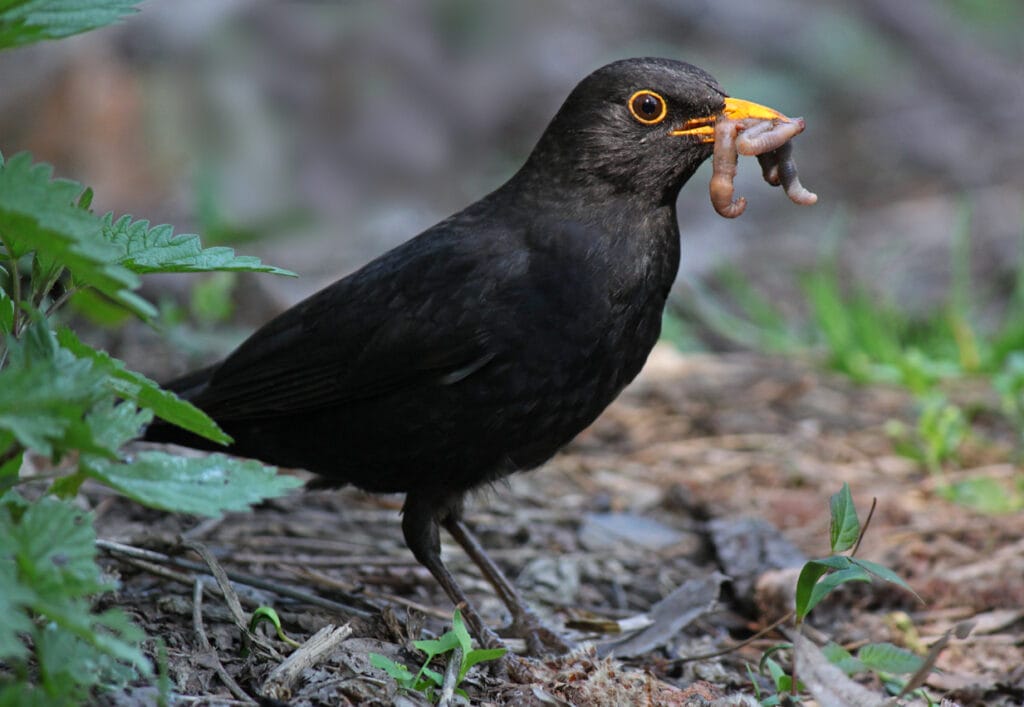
[
  {"x": 59, "y": 302},
  {"x": 15, "y": 288},
  {"x": 864, "y": 528}
]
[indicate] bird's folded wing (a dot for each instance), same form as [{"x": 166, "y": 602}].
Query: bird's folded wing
[{"x": 292, "y": 372}]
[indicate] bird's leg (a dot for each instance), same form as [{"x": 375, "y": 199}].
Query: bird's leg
[
  {"x": 419, "y": 526},
  {"x": 525, "y": 624}
]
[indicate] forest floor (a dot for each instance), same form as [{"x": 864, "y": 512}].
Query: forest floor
[{"x": 705, "y": 464}]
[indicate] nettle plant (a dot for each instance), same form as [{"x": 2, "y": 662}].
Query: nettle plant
[{"x": 70, "y": 408}]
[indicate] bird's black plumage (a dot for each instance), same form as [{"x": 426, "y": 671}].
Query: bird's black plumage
[{"x": 486, "y": 343}]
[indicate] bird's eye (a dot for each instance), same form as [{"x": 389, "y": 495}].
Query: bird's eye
[{"x": 648, "y": 107}]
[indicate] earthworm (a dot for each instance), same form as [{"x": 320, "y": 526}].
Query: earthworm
[
  {"x": 769, "y": 140},
  {"x": 766, "y": 135},
  {"x": 796, "y": 191},
  {"x": 723, "y": 170},
  {"x": 770, "y": 168}
]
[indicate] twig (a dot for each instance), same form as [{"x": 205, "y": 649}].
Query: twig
[
  {"x": 231, "y": 598},
  {"x": 747, "y": 641},
  {"x": 204, "y": 642},
  {"x": 864, "y": 528},
  {"x": 15, "y": 291},
  {"x": 284, "y": 590},
  {"x": 279, "y": 682},
  {"x": 451, "y": 678},
  {"x": 331, "y": 583},
  {"x": 59, "y": 302}
]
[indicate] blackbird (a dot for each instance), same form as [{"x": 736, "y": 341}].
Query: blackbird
[{"x": 486, "y": 343}]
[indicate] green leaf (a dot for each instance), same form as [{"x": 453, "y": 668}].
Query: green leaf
[
  {"x": 150, "y": 250},
  {"x": 13, "y": 597},
  {"x": 43, "y": 399},
  {"x": 38, "y": 214},
  {"x": 85, "y": 200},
  {"x": 832, "y": 580},
  {"x": 267, "y": 613},
  {"x": 844, "y": 527},
  {"x": 99, "y": 309},
  {"x": 781, "y": 681},
  {"x": 10, "y": 468},
  {"x": 398, "y": 672},
  {"x": 884, "y": 573},
  {"x": 48, "y": 570},
  {"x": 842, "y": 658},
  {"x": 448, "y": 641},
  {"x": 6, "y": 313},
  {"x": 207, "y": 485},
  {"x": 27, "y": 21},
  {"x": 809, "y": 576},
  {"x": 983, "y": 494},
  {"x": 144, "y": 392},
  {"x": 461, "y": 633},
  {"x": 113, "y": 425},
  {"x": 480, "y": 655},
  {"x": 887, "y": 658}
]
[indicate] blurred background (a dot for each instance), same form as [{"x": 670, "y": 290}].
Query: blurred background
[{"x": 319, "y": 134}]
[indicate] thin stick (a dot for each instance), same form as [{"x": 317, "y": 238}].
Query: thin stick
[
  {"x": 282, "y": 679},
  {"x": 15, "y": 290},
  {"x": 747, "y": 641},
  {"x": 240, "y": 577},
  {"x": 331, "y": 583},
  {"x": 231, "y": 599},
  {"x": 204, "y": 642},
  {"x": 864, "y": 528},
  {"x": 451, "y": 679}
]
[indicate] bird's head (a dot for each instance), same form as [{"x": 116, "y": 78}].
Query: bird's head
[{"x": 637, "y": 126}]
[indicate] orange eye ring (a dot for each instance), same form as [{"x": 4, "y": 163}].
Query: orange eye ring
[{"x": 647, "y": 107}]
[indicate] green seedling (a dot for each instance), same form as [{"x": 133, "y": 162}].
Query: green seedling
[
  {"x": 426, "y": 681},
  {"x": 817, "y": 580}
]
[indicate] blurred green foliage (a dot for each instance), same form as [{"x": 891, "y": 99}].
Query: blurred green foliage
[{"x": 871, "y": 340}]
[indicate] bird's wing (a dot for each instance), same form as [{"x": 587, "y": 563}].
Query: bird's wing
[{"x": 405, "y": 319}]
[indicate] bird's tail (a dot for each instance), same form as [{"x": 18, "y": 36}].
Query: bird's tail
[{"x": 187, "y": 387}]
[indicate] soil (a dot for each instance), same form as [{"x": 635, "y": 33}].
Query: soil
[{"x": 705, "y": 464}]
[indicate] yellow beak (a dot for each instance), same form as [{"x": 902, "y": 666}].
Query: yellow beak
[{"x": 735, "y": 109}]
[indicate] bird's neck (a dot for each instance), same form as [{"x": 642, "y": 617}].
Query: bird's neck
[{"x": 639, "y": 235}]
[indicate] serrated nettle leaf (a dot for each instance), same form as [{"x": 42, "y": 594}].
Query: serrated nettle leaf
[
  {"x": 66, "y": 487},
  {"x": 145, "y": 392},
  {"x": 206, "y": 485},
  {"x": 38, "y": 215},
  {"x": 844, "y": 527},
  {"x": 151, "y": 250},
  {"x": 98, "y": 309},
  {"x": 113, "y": 425},
  {"x": 53, "y": 544},
  {"x": 42, "y": 400},
  {"x": 14, "y": 597},
  {"x": 95, "y": 629},
  {"x": 883, "y": 572},
  {"x": 48, "y": 568},
  {"x": 85, "y": 200},
  {"x": 888, "y": 658},
  {"x": 26, "y": 21},
  {"x": 829, "y": 582}
]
